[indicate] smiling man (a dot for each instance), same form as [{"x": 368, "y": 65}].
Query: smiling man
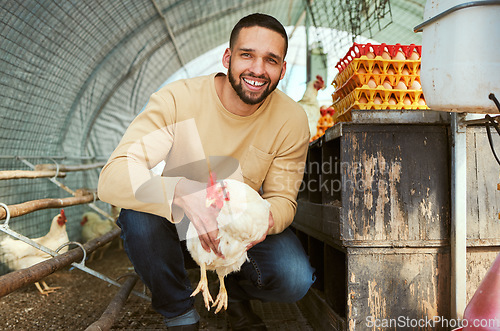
[
  {"x": 249, "y": 131},
  {"x": 255, "y": 63}
]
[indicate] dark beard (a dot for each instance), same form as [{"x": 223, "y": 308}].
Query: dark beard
[{"x": 248, "y": 97}]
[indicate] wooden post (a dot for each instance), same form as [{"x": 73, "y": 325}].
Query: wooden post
[
  {"x": 111, "y": 313},
  {"x": 69, "y": 168},
  {"x": 16, "y": 174}
]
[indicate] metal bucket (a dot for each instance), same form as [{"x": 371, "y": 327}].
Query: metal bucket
[{"x": 460, "y": 65}]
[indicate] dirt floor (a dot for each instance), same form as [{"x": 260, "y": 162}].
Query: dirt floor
[{"x": 83, "y": 298}]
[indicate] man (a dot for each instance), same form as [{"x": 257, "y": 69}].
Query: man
[{"x": 248, "y": 131}]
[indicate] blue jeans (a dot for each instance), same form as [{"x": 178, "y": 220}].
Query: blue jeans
[{"x": 278, "y": 268}]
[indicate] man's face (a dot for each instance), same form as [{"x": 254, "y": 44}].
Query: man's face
[{"x": 255, "y": 63}]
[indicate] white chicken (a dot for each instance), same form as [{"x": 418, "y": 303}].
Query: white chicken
[
  {"x": 243, "y": 218},
  {"x": 22, "y": 255},
  {"x": 93, "y": 226},
  {"x": 310, "y": 102}
]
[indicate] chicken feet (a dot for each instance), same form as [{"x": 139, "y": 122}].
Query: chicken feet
[
  {"x": 221, "y": 300},
  {"x": 203, "y": 287},
  {"x": 46, "y": 288}
]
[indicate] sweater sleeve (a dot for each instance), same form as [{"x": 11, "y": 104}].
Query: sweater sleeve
[
  {"x": 284, "y": 178},
  {"x": 126, "y": 180}
]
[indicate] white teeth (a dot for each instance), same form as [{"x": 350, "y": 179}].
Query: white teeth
[{"x": 252, "y": 82}]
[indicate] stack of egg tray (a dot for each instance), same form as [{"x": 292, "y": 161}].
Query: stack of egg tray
[
  {"x": 324, "y": 122},
  {"x": 364, "y": 79}
]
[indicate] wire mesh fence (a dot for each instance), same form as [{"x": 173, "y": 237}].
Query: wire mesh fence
[{"x": 75, "y": 73}]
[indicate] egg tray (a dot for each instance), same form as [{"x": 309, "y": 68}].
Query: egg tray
[
  {"x": 322, "y": 128},
  {"x": 354, "y": 99},
  {"x": 326, "y": 120},
  {"x": 369, "y": 65},
  {"x": 360, "y": 80},
  {"x": 335, "y": 118},
  {"x": 358, "y": 50},
  {"x": 321, "y": 131}
]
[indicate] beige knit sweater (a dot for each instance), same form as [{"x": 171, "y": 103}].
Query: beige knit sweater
[{"x": 183, "y": 124}]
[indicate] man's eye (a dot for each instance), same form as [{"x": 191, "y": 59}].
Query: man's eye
[
  {"x": 245, "y": 55},
  {"x": 273, "y": 60}
]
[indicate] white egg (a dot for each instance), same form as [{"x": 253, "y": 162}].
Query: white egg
[
  {"x": 370, "y": 55},
  {"x": 387, "y": 85},
  {"x": 414, "y": 56},
  {"x": 415, "y": 85},
  {"x": 399, "y": 56},
  {"x": 401, "y": 85}
]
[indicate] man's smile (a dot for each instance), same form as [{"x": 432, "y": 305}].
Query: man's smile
[{"x": 252, "y": 83}]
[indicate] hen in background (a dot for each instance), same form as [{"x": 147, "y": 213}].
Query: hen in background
[
  {"x": 243, "y": 218},
  {"x": 93, "y": 226},
  {"x": 310, "y": 102},
  {"x": 22, "y": 255}
]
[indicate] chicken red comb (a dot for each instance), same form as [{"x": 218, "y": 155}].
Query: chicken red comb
[
  {"x": 62, "y": 214},
  {"x": 319, "y": 83},
  {"x": 323, "y": 110}
]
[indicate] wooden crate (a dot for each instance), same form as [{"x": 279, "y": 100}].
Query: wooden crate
[{"x": 378, "y": 201}]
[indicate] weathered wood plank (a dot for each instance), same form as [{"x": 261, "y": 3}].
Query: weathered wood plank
[
  {"x": 396, "y": 182},
  {"x": 309, "y": 215},
  {"x": 384, "y": 284},
  {"x": 483, "y": 199},
  {"x": 479, "y": 261}
]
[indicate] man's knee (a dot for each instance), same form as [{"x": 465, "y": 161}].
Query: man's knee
[
  {"x": 290, "y": 285},
  {"x": 141, "y": 226},
  {"x": 285, "y": 267}
]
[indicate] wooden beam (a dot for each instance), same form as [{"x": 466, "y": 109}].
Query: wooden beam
[
  {"x": 111, "y": 313},
  {"x": 30, "y": 206},
  {"x": 69, "y": 168},
  {"x": 17, "y": 174}
]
